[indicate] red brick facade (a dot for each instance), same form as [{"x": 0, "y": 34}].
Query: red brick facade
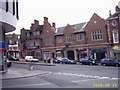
[
  {"x": 113, "y": 28},
  {"x": 88, "y": 39}
]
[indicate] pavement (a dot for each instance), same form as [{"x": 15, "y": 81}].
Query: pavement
[{"x": 16, "y": 73}]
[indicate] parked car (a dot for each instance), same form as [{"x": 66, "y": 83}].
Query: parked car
[
  {"x": 30, "y": 59},
  {"x": 58, "y": 59},
  {"x": 88, "y": 61},
  {"x": 13, "y": 58},
  {"x": 47, "y": 60},
  {"x": 109, "y": 62},
  {"x": 67, "y": 61}
]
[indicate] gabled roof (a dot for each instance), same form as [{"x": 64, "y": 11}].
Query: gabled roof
[
  {"x": 114, "y": 16},
  {"x": 76, "y": 27}
]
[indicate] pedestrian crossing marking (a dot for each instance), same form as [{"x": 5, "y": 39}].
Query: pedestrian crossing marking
[{"x": 88, "y": 76}]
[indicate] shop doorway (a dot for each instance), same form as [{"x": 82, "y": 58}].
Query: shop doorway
[{"x": 70, "y": 54}]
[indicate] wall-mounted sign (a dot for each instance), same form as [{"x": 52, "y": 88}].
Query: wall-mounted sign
[{"x": 3, "y": 45}]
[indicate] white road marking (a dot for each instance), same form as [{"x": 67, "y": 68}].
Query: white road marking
[
  {"x": 97, "y": 77},
  {"x": 115, "y": 78},
  {"x": 105, "y": 78},
  {"x": 88, "y": 76},
  {"x": 40, "y": 84}
]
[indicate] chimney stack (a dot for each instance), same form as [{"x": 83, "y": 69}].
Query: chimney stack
[
  {"x": 36, "y": 22},
  {"x": 109, "y": 13},
  {"x": 32, "y": 25},
  {"x": 46, "y": 19},
  {"x": 53, "y": 24},
  {"x": 117, "y": 9}
]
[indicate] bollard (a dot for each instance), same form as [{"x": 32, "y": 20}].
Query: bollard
[
  {"x": 30, "y": 67},
  {"x": 51, "y": 61}
]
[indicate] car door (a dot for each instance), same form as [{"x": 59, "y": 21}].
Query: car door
[{"x": 112, "y": 62}]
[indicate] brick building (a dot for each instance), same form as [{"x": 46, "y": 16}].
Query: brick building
[
  {"x": 30, "y": 40},
  {"x": 72, "y": 41},
  {"x": 48, "y": 39},
  {"x": 113, "y": 28},
  {"x": 86, "y": 39},
  {"x": 12, "y": 41}
]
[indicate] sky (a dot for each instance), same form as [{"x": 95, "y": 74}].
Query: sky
[{"x": 62, "y": 12}]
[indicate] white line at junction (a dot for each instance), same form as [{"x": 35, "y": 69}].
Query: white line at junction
[{"x": 88, "y": 76}]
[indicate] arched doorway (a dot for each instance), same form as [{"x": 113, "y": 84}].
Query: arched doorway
[{"x": 70, "y": 54}]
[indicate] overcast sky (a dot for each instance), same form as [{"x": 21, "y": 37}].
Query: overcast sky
[{"x": 62, "y": 12}]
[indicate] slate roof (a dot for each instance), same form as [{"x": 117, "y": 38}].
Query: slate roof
[
  {"x": 79, "y": 27},
  {"x": 60, "y": 31},
  {"x": 76, "y": 27}
]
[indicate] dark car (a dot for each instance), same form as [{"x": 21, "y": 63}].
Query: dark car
[
  {"x": 88, "y": 61},
  {"x": 109, "y": 62},
  {"x": 67, "y": 61},
  {"x": 13, "y": 58}
]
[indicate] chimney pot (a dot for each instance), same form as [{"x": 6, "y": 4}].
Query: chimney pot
[
  {"x": 36, "y": 22},
  {"x": 45, "y": 18},
  {"x": 53, "y": 24},
  {"x": 109, "y": 13}
]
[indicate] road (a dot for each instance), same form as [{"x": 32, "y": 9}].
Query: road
[{"x": 68, "y": 76}]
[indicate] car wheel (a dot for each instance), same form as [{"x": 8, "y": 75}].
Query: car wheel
[
  {"x": 26, "y": 60},
  {"x": 116, "y": 65},
  {"x": 90, "y": 64},
  {"x": 104, "y": 64}
]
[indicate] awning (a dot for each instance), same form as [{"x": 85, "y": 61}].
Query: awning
[{"x": 116, "y": 48}]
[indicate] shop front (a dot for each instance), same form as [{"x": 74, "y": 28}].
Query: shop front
[{"x": 3, "y": 47}]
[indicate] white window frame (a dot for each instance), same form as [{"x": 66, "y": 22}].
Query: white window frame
[
  {"x": 115, "y": 36},
  {"x": 96, "y": 35},
  {"x": 80, "y": 37}
]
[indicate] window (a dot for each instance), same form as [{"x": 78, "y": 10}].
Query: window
[
  {"x": 69, "y": 38},
  {"x": 96, "y": 34},
  {"x": 114, "y": 23},
  {"x": 48, "y": 41},
  {"x": 17, "y": 9},
  {"x": 28, "y": 34},
  {"x": 6, "y": 5},
  {"x": 115, "y": 36},
  {"x": 13, "y": 7},
  {"x": 59, "y": 39},
  {"x": 80, "y": 37},
  {"x": 36, "y": 43},
  {"x": 36, "y": 33}
]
